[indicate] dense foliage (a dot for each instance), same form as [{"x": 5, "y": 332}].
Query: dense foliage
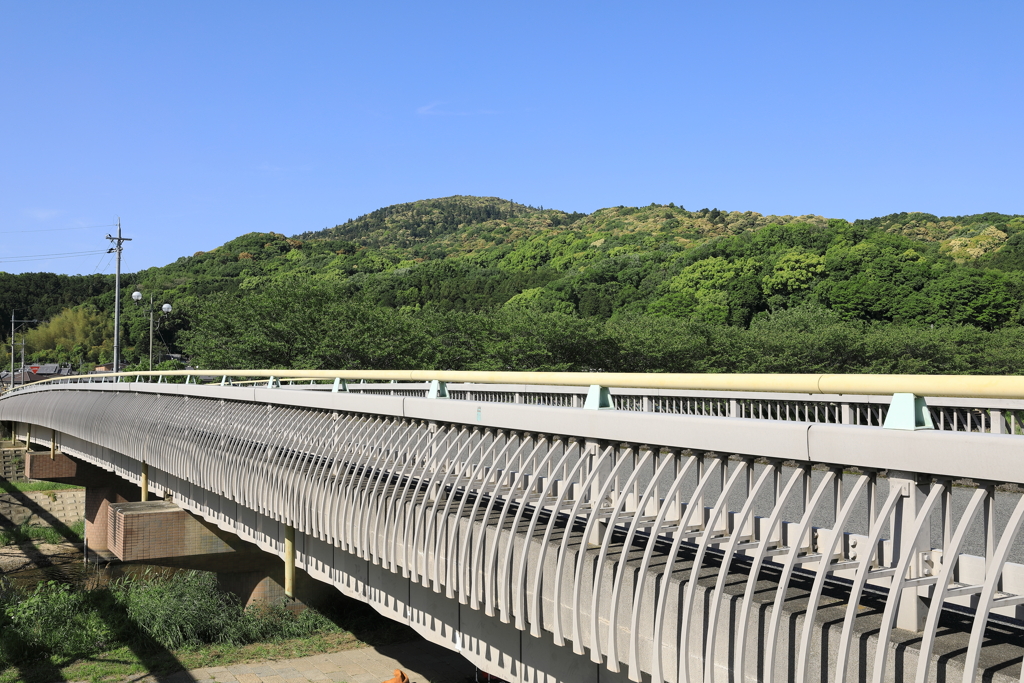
[
  {"x": 146, "y": 614},
  {"x": 481, "y": 282},
  {"x": 309, "y": 326}
]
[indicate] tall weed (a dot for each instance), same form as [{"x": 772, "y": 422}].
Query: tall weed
[
  {"x": 26, "y": 532},
  {"x": 56, "y": 619},
  {"x": 151, "y": 612}
]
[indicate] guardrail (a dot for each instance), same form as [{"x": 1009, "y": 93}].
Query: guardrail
[
  {"x": 964, "y": 386},
  {"x": 965, "y": 404},
  {"x": 733, "y": 497}
]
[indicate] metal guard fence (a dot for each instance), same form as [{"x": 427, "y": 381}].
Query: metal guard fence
[{"x": 371, "y": 481}]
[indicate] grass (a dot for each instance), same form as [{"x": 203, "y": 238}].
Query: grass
[
  {"x": 25, "y": 533},
  {"x": 120, "y": 663},
  {"x": 38, "y": 486},
  {"x": 161, "y": 624}
]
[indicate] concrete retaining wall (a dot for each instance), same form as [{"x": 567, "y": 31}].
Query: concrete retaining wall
[
  {"x": 42, "y": 508},
  {"x": 12, "y": 464}
]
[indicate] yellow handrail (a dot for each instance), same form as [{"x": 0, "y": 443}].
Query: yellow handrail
[{"x": 961, "y": 386}]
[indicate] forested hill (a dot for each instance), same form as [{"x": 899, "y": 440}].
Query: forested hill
[
  {"x": 435, "y": 226},
  {"x": 445, "y": 271}
]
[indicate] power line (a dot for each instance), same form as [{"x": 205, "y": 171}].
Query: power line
[
  {"x": 44, "y": 257},
  {"x": 87, "y": 227},
  {"x": 99, "y": 263}
]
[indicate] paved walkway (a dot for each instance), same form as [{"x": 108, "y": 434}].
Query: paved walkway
[{"x": 421, "y": 661}]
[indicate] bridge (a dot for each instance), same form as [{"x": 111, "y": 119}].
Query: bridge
[{"x": 580, "y": 526}]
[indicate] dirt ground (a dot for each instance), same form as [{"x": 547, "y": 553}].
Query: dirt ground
[{"x": 31, "y": 555}]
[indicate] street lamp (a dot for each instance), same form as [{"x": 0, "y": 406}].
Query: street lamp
[{"x": 166, "y": 308}]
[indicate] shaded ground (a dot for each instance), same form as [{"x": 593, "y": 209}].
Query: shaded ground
[
  {"x": 423, "y": 662},
  {"x": 38, "y": 555}
]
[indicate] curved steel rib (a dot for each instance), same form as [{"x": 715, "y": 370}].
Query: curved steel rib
[
  {"x": 755, "y": 569},
  {"x": 645, "y": 563},
  {"x": 595, "y": 592},
  {"x": 595, "y": 511},
  {"x": 738, "y": 475},
  {"x": 519, "y": 586},
  {"x": 787, "y": 573},
  {"x": 950, "y": 558},
  {"x": 822, "y": 572},
  {"x": 613, "y": 617},
  {"x": 716, "y": 602},
  {"x": 659, "y": 614},
  {"x": 863, "y": 573},
  {"x": 896, "y": 589},
  {"x": 992, "y": 573},
  {"x": 535, "y": 625},
  {"x": 595, "y": 468}
]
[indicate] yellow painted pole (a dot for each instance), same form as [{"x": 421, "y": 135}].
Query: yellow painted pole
[
  {"x": 289, "y": 562},
  {"x": 144, "y": 484}
]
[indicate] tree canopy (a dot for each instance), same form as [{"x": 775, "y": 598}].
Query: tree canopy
[{"x": 485, "y": 282}]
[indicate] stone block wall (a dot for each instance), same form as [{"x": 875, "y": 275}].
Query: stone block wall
[
  {"x": 42, "y": 508},
  {"x": 12, "y": 464}
]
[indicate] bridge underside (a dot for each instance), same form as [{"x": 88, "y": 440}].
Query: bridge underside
[{"x": 524, "y": 586}]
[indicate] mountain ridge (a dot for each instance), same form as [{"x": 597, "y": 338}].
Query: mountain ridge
[{"x": 488, "y": 254}]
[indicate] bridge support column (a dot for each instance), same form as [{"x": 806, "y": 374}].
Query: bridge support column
[
  {"x": 161, "y": 533},
  {"x": 145, "y": 482},
  {"x": 289, "y": 562},
  {"x": 97, "y": 509},
  {"x": 101, "y": 489},
  {"x": 267, "y": 586}
]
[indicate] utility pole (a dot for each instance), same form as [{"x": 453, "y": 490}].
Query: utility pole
[
  {"x": 116, "y": 249},
  {"x": 13, "y": 329}
]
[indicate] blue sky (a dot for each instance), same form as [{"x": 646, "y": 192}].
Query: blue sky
[{"x": 200, "y": 121}]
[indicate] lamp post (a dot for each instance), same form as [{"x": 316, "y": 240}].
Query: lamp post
[{"x": 166, "y": 308}]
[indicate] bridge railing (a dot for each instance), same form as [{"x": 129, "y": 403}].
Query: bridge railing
[
  {"x": 992, "y": 405},
  {"x": 880, "y": 516},
  {"x": 995, "y": 416}
]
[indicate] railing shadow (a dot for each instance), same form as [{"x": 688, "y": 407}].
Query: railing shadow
[
  {"x": 159, "y": 662},
  {"x": 157, "y": 659},
  {"x": 38, "y": 510}
]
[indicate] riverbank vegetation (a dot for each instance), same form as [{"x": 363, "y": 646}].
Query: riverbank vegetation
[
  {"x": 35, "y": 485},
  {"x": 485, "y": 283},
  {"x": 26, "y": 533},
  {"x": 161, "y": 623}
]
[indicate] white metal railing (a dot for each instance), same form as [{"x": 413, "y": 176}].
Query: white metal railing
[
  {"x": 744, "y": 501},
  {"x": 982, "y": 415}
]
